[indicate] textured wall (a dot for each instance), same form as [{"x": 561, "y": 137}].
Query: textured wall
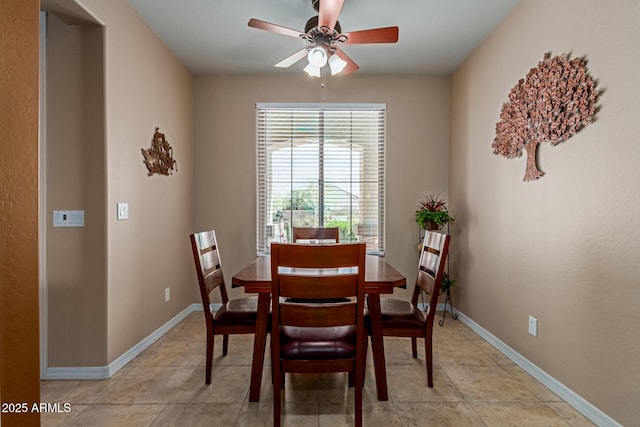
[
  {"x": 19, "y": 357},
  {"x": 564, "y": 248}
]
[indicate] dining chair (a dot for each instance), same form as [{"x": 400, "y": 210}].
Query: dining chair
[
  {"x": 404, "y": 318},
  {"x": 318, "y": 337},
  {"x": 236, "y": 316},
  {"x": 316, "y": 233}
]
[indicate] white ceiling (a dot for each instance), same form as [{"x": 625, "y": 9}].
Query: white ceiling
[{"x": 212, "y": 36}]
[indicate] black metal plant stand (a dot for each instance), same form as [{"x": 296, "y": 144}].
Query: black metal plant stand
[{"x": 447, "y": 300}]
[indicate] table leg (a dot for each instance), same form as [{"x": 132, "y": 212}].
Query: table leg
[
  {"x": 259, "y": 346},
  {"x": 377, "y": 345}
]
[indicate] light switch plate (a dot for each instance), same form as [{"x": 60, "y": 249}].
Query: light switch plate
[
  {"x": 68, "y": 218},
  {"x": 123, "y": 210},
  {"x": 533, "y": 326}
]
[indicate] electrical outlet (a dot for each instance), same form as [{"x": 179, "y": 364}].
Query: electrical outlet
[
  {"x": 533, "y": 326},
  {"x": 167, "y": 295}
]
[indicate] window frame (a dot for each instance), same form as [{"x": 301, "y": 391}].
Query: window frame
[{"x": 261, "y": 165}]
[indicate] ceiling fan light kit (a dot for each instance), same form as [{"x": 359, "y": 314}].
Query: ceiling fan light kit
[
  {"x": 312, "y": 70},
  {"x": 323, "y": 36},
  {"x": 336, "y": 64},
  {"x": 317, "y": 57}
]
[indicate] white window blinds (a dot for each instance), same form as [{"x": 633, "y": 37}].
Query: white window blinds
[{"x": 321, "y": 166}]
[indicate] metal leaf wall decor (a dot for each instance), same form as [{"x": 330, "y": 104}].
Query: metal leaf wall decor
[
  {"x": 159, "y": 157},
  {"x": 555, "y": 100}
]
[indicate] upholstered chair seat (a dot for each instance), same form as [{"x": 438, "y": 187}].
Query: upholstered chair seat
[
  {"x": 338, "y": 342},
  {"x": 240, "y": 311},
  {"x": 401, "y": 314}
]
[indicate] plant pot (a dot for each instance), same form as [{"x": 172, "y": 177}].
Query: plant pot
[{"x": 432, "y": 226}]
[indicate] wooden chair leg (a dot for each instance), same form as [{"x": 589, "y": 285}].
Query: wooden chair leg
[
  {"x": 429, "y": 361},
  {"x": 359, "y": 386},
  {"x": 364, "y": 362},
  {"x": 225, "y": 344},
  {"x": 359, "y": 368},
  {"x": 210, "y": 340},
  {"x": 278, "y": 385},
  {"x": 414, "y": 347}
]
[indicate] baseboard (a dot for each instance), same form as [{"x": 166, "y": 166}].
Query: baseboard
[
  {"x": 581, "y": 405},
  {"x": 71, "y": 373},
  {"x": 104, "y": 372}
]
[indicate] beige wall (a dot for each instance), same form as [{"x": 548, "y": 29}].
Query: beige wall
[
  {"x": 225, "y": 152},
  {"x": 563, "y": 249},
  {"x": 75, "y": 179},
  {"x": 19, "y": 367},
  {"x": 144, "y": 86}
]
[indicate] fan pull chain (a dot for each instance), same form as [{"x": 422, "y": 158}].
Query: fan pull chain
[{"x": 323, "y": 85}]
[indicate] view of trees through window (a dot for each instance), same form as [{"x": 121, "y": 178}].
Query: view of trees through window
[{"x": 321, "y": 168}]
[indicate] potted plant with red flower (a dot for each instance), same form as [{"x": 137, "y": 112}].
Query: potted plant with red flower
[{"x": 432, "y": 213}]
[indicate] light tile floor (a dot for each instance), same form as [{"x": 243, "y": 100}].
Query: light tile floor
[{"x": 474, "y": 385}]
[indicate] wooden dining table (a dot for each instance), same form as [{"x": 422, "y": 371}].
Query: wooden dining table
[{"x": 380, "y": 278}]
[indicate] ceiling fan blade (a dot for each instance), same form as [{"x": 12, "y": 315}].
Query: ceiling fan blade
[
  {"x": 375, "y": 35},
  {"x": 279, "y": 29},
  {"x": 290, "y": 60},
  {"x": 351, "y": 66},
  {"x": 328, "y": 13}
]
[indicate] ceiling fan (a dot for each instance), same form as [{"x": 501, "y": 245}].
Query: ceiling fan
[{"x": 322, "y": 38}]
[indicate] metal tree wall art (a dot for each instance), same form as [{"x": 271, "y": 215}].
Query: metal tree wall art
[
  {"x": 553, "y": 102},
  {"x": 159, "y": 157}
]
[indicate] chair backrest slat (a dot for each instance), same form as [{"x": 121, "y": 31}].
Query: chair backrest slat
[
  {"x": 317, "y": 256},
  {"x": 331, "y": 234},
  {"x": 318, "y": 287},
  {"x": 214, "y": 279},
  {"x": 322, "y": 315}
]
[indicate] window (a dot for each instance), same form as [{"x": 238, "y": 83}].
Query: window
[{"x": 321, "y": 165}]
